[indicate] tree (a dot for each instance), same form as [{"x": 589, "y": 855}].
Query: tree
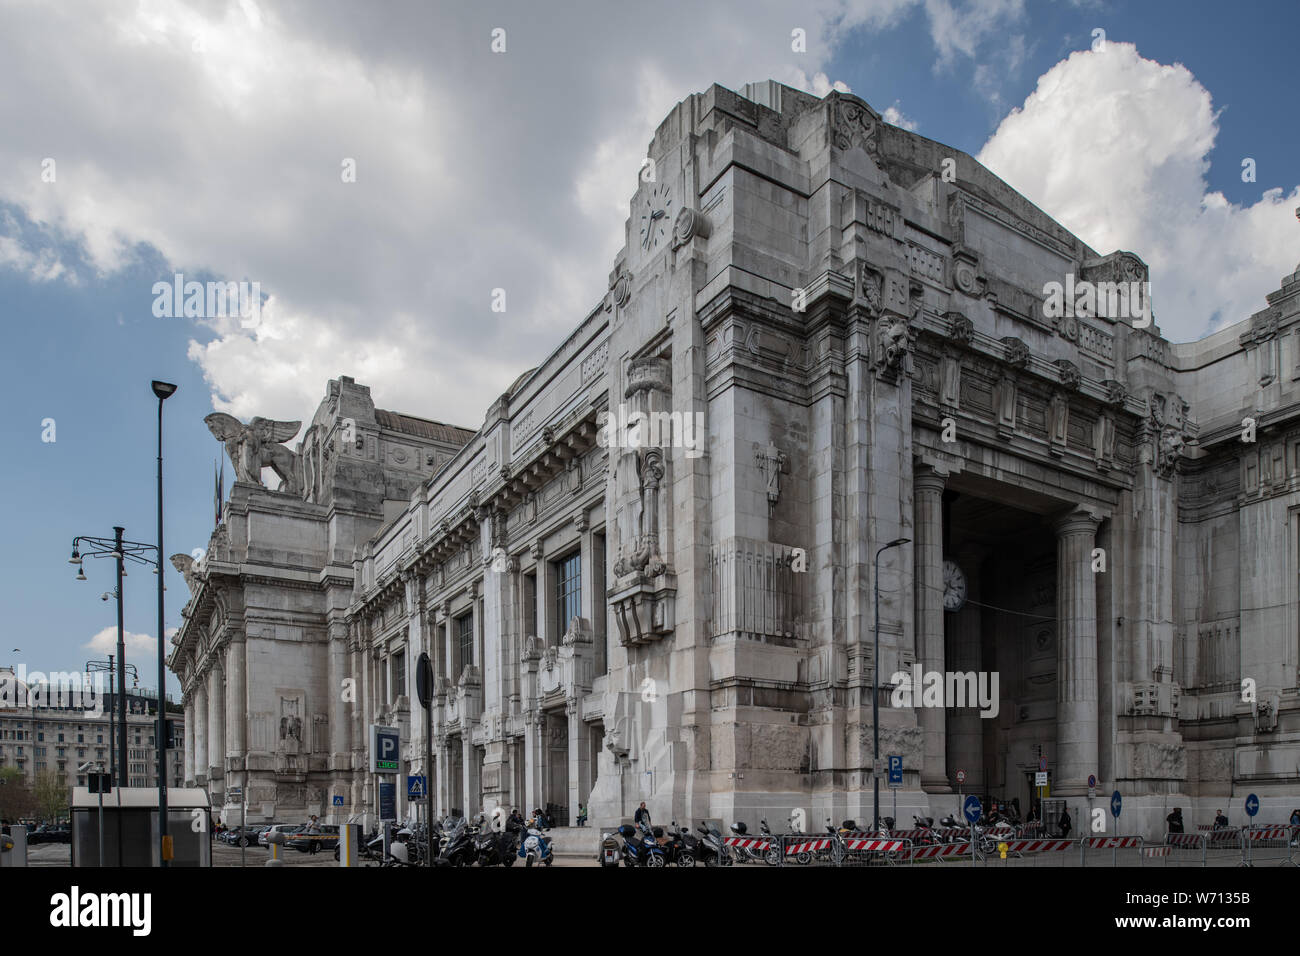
[
  {"x": 51, "y": 796},
  {"x": 16, "y": 799}
]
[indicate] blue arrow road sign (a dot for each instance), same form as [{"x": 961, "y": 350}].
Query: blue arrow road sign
[
  {"x": 895, "y": 768},
  {"x": 415, "y": 785},
  {"x": 1252, "y": 805},
  {"x": 1116, "y": 804},
  {"x": 971, "y": 808}
]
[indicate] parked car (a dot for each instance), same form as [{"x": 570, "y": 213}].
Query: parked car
[
  {"x": 50, "y": 833},
  {"x": 328, "y": 838},
  {"x": 245, "y": 836},
  {"x": 285, "y": 828}
]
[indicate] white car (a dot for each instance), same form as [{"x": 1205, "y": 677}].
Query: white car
[{"x": 285, "y": 828}]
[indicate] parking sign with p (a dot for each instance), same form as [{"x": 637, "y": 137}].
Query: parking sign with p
[{"x": 385, "y": 749}]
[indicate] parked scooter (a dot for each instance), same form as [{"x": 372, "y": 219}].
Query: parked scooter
[
  {"x": 743, "y": 854},
  {"x": 677, "y": 844},
  {"x": 461, "y": 849},
  {"x": 772, "y": 855},
  {"x": 640, "y": 848},
  {"x": 710, "y": 850},
  {"x": 536, "y": 846}
]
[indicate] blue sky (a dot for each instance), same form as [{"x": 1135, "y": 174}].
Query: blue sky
[{"x": 208, "y": 138}]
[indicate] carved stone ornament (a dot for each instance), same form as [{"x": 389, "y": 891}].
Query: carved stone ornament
[
  {"x": 621, "y": 290},
  {"x": 967, "y": 279},
  {"x": 1069, "y": 373},
  {"x": 873, "y": 288},
  {"x": 960, "y": 328},
  {"x": 689, "y": 224},
  {"x": 853, "y": 123},
  {"x": 1116, "y": 392},
  {"x": 892, "y": 342},
  {"x": 1017, "y": 352}
]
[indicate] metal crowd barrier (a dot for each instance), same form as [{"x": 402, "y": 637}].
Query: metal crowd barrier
[
  {"x": 1278, "y": 837},
  {"x": 1112, "y": 843}
]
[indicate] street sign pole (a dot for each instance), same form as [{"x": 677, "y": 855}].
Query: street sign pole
[
  {"x": 100, "y": 788},
  {"x": 243, "y": 827},
  {"x": 424, "y": 688}
]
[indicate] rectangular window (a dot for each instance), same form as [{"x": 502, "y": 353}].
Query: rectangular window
[
  {"x": 598, "y": 604},
  {"x": 568, "y": 591},
  {"x": 399, "y": 674},
  {"x": 530, "y": 605},
  {"x": 465, "y": 641}
]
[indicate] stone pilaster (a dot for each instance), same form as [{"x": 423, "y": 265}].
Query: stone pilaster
[
  {"x": 1076, "y": 662},
  {"x": 200, "y": 730},
  {"x": 189, "y": 739},
  {"x": 216, "y": 731},
  {"x": 927, "y": 488},
  {"x": 965, "y": 731}
]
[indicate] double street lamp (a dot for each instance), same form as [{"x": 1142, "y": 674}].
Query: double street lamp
[{"x": 875, "y": 690}]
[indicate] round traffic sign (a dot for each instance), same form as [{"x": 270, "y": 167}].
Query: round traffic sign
[
  {"x": 1092, "y": 780},
  {"x": 961, "y": 776},
  {"x": 971, "y": 808},
  {"x": 1252, "y": 806},
  {"x": 1042, "y": 763}
]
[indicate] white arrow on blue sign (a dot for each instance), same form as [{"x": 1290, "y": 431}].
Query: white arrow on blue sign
[
  {"x": 895, "y": 769},
  {"x": 971, "y": 808},
  {"x": 1252, "y": 805},
  {"x": 1116, "y": 804}
]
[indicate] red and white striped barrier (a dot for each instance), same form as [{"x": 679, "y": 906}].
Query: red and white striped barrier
[
  {"x": 876, "y": 845},
  {"x": 1183, "y": 839},
  {"x": 1036, "y": 846},
  {"x": 1111, "y": 843},
  {"x": 911, "y": 834},
  {"x": 748, "y": 843},
  {"x": 1267, "y": 833},
  {"x": 937, "y": 850},
  {"x": 1157, "y": 851},
  {"x": 1232, "y": 835},
  {"x": 807, "y": 846}
]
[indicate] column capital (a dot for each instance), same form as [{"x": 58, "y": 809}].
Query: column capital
[
  {"x": 926, "y": 478},
  {"x": 1077, "y": 521}
]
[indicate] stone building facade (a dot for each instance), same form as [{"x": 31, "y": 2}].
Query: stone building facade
[{"x": 651, "y": 573}]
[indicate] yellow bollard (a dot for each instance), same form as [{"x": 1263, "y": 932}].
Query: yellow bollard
[{"x": 1002, "y": 848}]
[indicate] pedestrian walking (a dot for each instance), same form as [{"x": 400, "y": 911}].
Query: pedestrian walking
[
  {"x": 642, "y": 815},
  {"x": 1220, "y": 820},
  {"x": 313, "y": 834},
  {"x": 1175, "y": 820},
  {"x": 1065, "y": 823}
]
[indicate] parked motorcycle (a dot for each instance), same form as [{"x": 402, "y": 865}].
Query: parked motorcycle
[
  {"x": 495, "y": 848},
  {"x": 461, "y": 848},
  {"x": 743, "y": 854},
  {"x": 640, "y": 847},
  {"x": 772, "y": 855},
  {"x": 678, "y": 845}
]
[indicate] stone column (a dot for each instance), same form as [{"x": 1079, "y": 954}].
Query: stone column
[
  {"x": 965, "y": 725},
  {"x": 216, "y": 730},
  {"x": 579, "y": 758},
  {"x": 927, "y": 490},
  {"x": 533, "y": 725},
  {"x": 469, "y": 777},
  {"x": 237, "y": 703},
  {"x": 201, "y": 730},
  {"x": 189, "y": 739},
  {"x": 1076, "y": 661}
]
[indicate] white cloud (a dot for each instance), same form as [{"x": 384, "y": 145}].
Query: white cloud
[
  {"x": 1116, "y": 148},
  {"x": 894, "y": 117},
  {"x": 215, "y": 133},
  {"x": 141, "y": 650}
]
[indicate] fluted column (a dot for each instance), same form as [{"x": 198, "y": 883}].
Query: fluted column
[
  {"x": 1076, "y": 662},
  {"x": 236, "y": 702},
  {"x": 927, "y": 492}
]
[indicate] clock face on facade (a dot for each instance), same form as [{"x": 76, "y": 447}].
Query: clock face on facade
[
  {"x": 656, "y": 217},
  {"x": 954, "y": 587}
]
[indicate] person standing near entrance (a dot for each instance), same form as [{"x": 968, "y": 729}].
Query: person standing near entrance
[
  {"x": 1175, "y": 820},
  {"x": 1066, "y": 825},
  {"x": 642, "y": 815}
]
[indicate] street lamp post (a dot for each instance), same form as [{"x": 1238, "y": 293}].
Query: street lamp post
[
  {"x": 96, "y": 666},
  {"x": 121, "y": 551},
  {"x": 163, "y": 390},
  {"x": 875, "y": 690}
]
